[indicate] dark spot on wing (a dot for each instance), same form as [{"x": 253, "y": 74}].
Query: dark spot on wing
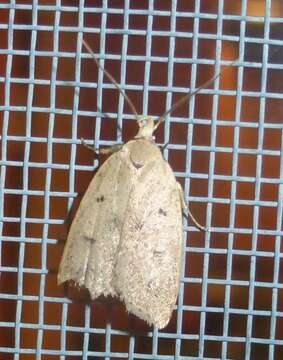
[
  {"x": 162, "y": 212},
  {"x": 138, "y": 225},
  {"x": 100, "y": 198},
  {"x": 116, "y": 222},
  {"x": 157, "y": 253},
  {"x": 90, "y": 239},
  {"x": 137, "y": 164}
]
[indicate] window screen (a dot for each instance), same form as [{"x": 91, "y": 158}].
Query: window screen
[{"x": 224, "y": 146}]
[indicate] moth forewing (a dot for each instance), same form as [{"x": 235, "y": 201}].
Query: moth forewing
[
  {"x": 89, "y": 254},
  {"x": 147, "y": 271}
]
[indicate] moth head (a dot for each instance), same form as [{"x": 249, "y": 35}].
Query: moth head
[{"x": 146, "y": 127}]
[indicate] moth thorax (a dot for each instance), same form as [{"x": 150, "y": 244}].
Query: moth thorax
[{"x": 146, "y": 127}]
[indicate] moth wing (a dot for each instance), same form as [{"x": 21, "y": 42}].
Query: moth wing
[
  {"x": 147, "y": 271},
  {"x": 90, "y": 250}
]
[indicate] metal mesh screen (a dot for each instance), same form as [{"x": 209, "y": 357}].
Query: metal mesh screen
[{"x": 225, "y": 147}]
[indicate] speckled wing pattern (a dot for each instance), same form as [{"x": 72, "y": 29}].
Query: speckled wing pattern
[
  {"x": 126, "y": 238},
  {"x": 90, "y": 251},
  {"x": 147, "y": 270}
]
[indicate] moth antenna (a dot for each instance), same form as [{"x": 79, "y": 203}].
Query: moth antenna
[
  {"x": 186, "y": 97},
  {"x": 111, "y": 78}
]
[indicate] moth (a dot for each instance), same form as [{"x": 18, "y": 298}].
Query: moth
[{"x": 126, "y": 238}]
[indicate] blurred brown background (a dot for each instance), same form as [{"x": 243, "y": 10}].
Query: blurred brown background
[{"x": 55, "y": 132}]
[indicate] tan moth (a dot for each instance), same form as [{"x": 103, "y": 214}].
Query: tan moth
[{"x": 126, "y": 239}]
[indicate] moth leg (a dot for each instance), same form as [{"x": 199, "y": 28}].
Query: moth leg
[
  {"x": 164, "y": 146},
  {"x": 111, "y": 149},
  {"x": 187, "y": 209},
  {"x": 107, "y": 151}
]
